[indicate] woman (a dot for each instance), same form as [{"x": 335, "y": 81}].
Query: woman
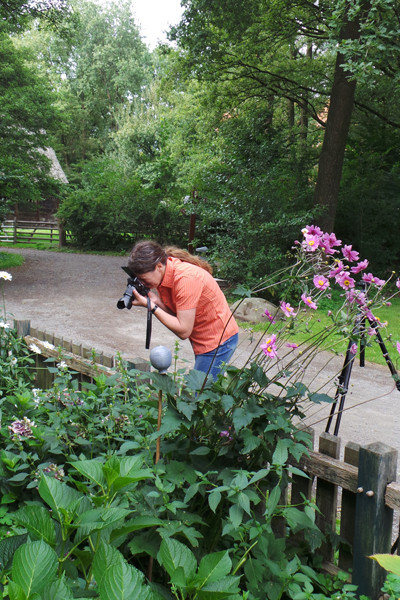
[{"x": 189, "y": 302}]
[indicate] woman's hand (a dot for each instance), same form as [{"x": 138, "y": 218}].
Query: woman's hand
[{"x": 138, "y": 299}]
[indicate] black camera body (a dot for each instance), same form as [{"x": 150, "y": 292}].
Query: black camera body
[{"x": 133, "y": 284}]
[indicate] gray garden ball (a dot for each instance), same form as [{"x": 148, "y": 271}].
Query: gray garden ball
[{"x": 161, "y": 358}]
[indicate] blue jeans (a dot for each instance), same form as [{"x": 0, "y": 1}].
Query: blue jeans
[{"x": 216, "y": 358}]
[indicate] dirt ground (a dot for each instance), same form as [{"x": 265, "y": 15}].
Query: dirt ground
[{"x": 74, "y": 296}]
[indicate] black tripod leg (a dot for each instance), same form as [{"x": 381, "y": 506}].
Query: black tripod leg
[
  {"x": 385, "y": 353},
  {"x": 345, "y": 388},
  {"x": 341, "y": 390}
]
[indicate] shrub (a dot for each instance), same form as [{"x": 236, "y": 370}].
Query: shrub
[{"x": 110, "y": 211}]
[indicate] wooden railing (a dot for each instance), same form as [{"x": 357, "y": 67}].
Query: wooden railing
[
  {"x": 24, "y": 232},
  {"x": 88, "y": 363}
]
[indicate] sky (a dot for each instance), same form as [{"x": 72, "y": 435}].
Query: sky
[{"x": 154, "y": 17}]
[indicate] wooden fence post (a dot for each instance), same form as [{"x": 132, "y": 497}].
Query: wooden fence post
[
  {"x": 348, "y": 512},
  {"x": 326, "y": 496},
  {"x": 374, "y": 520},
  {"x": 22, "y": 328}
]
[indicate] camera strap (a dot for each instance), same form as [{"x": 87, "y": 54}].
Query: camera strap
[{"x": 148, "y": 328}]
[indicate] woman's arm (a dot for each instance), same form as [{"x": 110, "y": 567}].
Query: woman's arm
[{"x": 181, "y": 324}]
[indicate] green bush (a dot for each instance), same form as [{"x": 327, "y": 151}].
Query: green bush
[{"x": 110, "y": 211}]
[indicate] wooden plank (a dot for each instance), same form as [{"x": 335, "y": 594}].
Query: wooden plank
[
  {"x": 302, "y": 486},
  {"x": 374, "y": 520},
  {"x": 330, "y": 469},
  {"x": 326, "y": 497},
  {"x": 22, "y": 327},
  {"x": 348, "y": 512},
  {"x": 392, "y": 495},
  {"x": 74, "y": 362}
]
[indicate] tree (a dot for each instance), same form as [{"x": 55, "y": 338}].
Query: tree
[
  {"x": 26, "y": 113},
  {"x": 260, "y": 48},
  {"x": 97, "y": 69}
]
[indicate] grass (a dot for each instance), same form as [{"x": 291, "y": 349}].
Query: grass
[
  {"x": 8, "y": 260},
  {"x": 319, "y": 320}
]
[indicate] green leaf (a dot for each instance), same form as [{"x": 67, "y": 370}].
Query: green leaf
[
  {"x": 214, "y": 499},
  {"x": 105, "y": 557},
  {"x": 98, "y": 519},
  {"x": 244, "y": 415},
  {"x": 250, "y": 441},
  {"x": 244, "y": 502},
  {"x": 318, "y": 398},
  {"x": 280, "y": 455},
  {"x": 123, "y": 582},
  {"x": 186, "y": 408},
  {"x": 174, "y": 554},
  {"x": 58, "y": 495},
  {"x": 195, "y": 380},
  {"x": 34, "y": 565},
  {"x": 261, "y": 474},
  {"x": 15, "y": 591},
  {"x": 236, "y": 515},
  {"x": 8, "y": 546},
  {"x": 200, "y": 451},
  {"x": 273, "y": 500},
  {"x": 218, "y": 590},
  {"x": 389, "y": 562},
  {"x": 92, "y": 470},
  {"x": 37, "y": 520},
  {"x": 136, "y": 524},
  {"x": 57, "y": 590},
  {"x": 213, "y": 567},
  {"x": 171, "y": 422}
]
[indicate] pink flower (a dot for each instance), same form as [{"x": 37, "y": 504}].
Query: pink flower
[
  {"x": 338, "y": 269},
  {"x": 269, "y": 348},
  {"x": 269, "y": 316},
  {"x": 287, "y": 309},
  {"x": 308, "y": 301},
  {"x": 321, "y": 282},
  {"x": 311, "y": 242},
  {"x": 345, "y": 281},
  {"x": 398, "y": 347},
  {"x": 369, "y": 278},
  {"x": 371, "y": 331},
  {"x": 398, "y": 284},
  {"x": 353, "y": 348},
  {"x": 312, "y": 230},
  {"x": 350, "y": 254},
  {"x": 328, "y": 241},
  {"x": 292, "y": 345},
  {"x": 361, "y": 299},
  {"x": 360, "y": 266}
]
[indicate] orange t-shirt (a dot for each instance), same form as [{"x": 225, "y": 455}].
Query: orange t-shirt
[{"x": 185, "y": 286}]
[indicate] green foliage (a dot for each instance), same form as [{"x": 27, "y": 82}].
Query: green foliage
[
  {"x": 111, "y": 210},
  {"x": 26, "y": 114}
]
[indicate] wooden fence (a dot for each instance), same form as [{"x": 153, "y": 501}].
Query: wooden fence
[
  {"x": 87, "y": 362},
  {"x": 25, "y": 232},
  {"x": 357, "y": 498}
]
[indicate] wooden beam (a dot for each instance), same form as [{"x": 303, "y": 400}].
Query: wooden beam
[
  {"x": 330, "y": 469},
  {"x": 74, "y": 362}
]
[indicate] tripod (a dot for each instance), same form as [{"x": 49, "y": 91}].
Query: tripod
[{"x": 344, "y": 377}]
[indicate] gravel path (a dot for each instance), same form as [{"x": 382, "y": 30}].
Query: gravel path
[{"x": 74, "y": 296}]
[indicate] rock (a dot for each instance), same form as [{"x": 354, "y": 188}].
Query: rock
[{"x": 252, "y": 310}]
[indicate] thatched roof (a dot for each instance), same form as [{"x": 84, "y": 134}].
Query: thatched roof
[{"x": 55, "y": 169}]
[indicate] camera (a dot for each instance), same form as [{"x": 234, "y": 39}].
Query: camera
[{"x": 133, "y": 284}]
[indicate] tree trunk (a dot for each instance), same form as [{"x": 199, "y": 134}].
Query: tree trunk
[{"x": 336, "y": 131}]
